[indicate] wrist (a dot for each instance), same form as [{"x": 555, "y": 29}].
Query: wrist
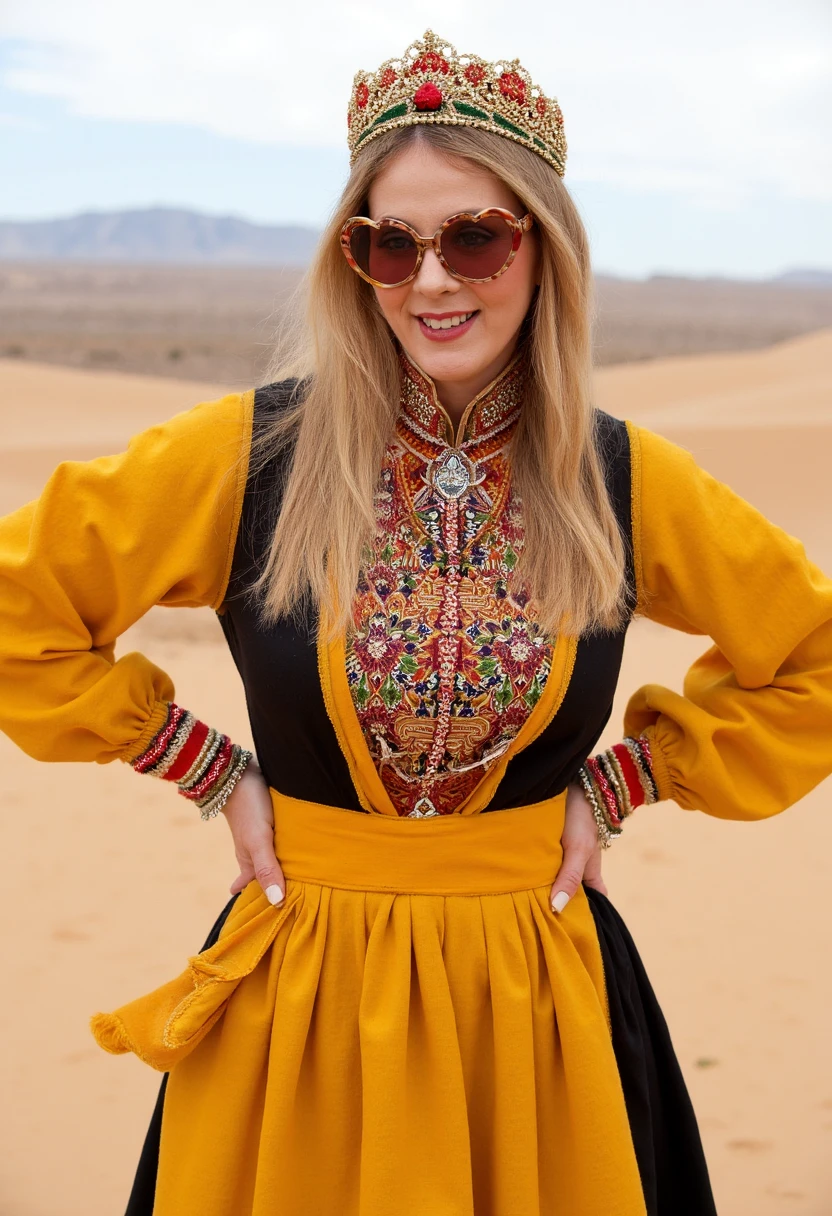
[
  {"x": 606, "y": 831},
  {"x": 617, "y": 781},
  {"x": 200, "y": 760}
]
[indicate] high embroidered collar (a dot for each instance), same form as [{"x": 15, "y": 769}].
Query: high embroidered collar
[{"x": 496, "y": 407}]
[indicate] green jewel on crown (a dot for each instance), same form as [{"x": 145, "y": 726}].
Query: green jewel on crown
[{"x": 431, "y": 83}]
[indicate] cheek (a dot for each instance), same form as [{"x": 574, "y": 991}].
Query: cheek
[
  {"x": 391, "y": 302},
  {"x": 506, "y": 300}
]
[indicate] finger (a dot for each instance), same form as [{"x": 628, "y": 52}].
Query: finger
[
  {"x": 242, "y": 880},
  {"x": 267, "y": 870},
  {"x": 569, "y": 876},
  {"x": 592, "y": 873}
]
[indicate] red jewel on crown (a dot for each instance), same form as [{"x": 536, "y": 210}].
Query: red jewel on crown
[
  {"x": 430, "y": 62},
  {"x": 427, "y": 97},
  {"x": 540, "y": 105},
  {"x": 362, "y": 95},
  {"x": 388, "y": 76},
  {"x": 474, "y": 73},
  {"x": 513, "y": 87}
]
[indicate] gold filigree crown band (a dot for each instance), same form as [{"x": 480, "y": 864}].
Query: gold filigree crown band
[{"x": 431, "y": 83}]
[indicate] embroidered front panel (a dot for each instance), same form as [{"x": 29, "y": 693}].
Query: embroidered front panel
[{"x": 447, "y": 660}]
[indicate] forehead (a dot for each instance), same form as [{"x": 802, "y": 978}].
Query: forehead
[{"x": 423, "y": 188}]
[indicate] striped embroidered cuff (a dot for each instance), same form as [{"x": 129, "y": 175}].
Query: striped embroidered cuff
[
  {"x": 200, "y": 760},
  {"x": 617, "y": 781}
]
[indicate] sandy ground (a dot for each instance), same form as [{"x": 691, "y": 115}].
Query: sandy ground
[{"x": 108, "y": 884}]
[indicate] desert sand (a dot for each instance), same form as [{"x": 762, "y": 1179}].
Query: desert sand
[{"x": 110, "y": 882}]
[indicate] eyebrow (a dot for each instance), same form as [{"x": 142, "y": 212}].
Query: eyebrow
[{"x": 387, "y": 215}]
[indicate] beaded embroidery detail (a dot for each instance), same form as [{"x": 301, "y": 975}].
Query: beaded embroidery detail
[
  {"x": 447, "y": 660},
  {"x": 616, "y": 782},
  {"x": 202, "y": 761}
]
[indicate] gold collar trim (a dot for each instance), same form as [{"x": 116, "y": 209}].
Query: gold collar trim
[{"x": 494, "y": 407}]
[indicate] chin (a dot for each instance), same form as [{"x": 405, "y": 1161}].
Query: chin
[{"x": 450, "y": 364}]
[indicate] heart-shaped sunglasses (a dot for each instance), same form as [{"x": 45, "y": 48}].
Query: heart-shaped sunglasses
[{"x": 475, "y": 247}]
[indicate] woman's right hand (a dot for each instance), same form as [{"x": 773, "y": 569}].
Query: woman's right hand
[
  {"x": 581, "y": 862},
  {"x": 251, "y": 819}
]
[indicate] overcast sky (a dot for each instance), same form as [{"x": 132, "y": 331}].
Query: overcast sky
[{"x": 698, "y": 130}]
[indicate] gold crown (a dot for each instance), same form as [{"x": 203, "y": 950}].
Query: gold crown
[{"x": 431, "y": 83}]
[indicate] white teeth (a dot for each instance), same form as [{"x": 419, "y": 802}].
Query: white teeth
[{"x": 446, "y": 322}]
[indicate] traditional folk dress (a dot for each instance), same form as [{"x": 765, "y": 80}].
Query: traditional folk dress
[{"x": 414, "y": 1030}]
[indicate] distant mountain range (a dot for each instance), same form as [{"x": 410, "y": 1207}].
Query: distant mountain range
[
  {"x": 805, "y": 276},
  {"x": 158, "y": 234},
  {"x": 172, "y": 235}
]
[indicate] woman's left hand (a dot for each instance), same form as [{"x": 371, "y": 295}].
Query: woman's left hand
[{"x": 581, "y": 851}]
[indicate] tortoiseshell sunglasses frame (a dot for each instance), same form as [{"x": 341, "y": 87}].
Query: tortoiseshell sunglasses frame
[{"x": 517, "y": 226}]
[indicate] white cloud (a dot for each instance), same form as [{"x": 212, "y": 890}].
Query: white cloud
[{"x": 717, "y": 99}]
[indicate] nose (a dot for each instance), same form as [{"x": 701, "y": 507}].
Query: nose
[{"x": 433, "y": 278}]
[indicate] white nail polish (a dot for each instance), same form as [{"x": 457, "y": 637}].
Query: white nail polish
[
  {"x": 560, "y": 901},
  {"x": 274, "y": 894}
]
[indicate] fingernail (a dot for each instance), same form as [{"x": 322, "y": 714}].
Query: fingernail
[
  {"x": 274, "y": 894},
  {"x": 560, "y": 901}
]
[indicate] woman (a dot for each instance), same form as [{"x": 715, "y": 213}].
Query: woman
[{"x": 424, "y": 547}]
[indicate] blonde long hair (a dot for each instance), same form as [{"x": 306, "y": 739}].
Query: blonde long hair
[{"x": 338, "y": 428}]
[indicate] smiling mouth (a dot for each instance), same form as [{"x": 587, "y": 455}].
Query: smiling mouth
[{"x": 448, "y": 322}]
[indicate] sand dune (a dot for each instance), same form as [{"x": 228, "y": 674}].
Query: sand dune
[
  {"x": 51, "y": 414},
  {"x": 762, "y": 421},
  {"x": 789, "y": 384},
  {"x": 109, "y": 882}
]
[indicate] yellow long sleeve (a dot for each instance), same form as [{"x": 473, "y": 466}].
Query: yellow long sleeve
[
  {"x": 753, "y": 731},
  {"x": 105, "y": 541}
]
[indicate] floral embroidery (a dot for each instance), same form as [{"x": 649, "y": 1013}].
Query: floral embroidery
[{"x": 447, "y": 660}]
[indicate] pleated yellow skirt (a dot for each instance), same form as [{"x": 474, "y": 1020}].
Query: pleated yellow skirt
[{"x": 414, "y": 1032}]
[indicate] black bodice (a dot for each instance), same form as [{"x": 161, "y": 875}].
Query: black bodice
[{"x": 296, "y": 744}]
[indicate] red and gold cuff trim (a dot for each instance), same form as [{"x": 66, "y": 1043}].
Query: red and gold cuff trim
[
  {"x": 199, "y": 759},
  {"x": 616, "y": 782}
]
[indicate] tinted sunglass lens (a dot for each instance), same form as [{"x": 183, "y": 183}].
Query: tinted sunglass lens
[
  {"x": 478, "y": 249},
  {"x": 386, "y": 254}
]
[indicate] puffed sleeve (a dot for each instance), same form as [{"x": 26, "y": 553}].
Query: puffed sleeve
[
  {"x": 105, "y": 541},
  {"x": 751, "y": 733}
]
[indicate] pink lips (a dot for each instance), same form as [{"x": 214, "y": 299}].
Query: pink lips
[{"x": 446, "y": 335}]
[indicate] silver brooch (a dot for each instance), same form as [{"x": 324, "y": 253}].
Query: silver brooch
[{"x": 452, "y": 474}]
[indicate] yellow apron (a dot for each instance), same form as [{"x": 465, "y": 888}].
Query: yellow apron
[{"x": 413, "y": 1032}]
